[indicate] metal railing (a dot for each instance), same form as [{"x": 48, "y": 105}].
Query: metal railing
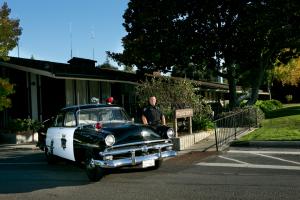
[{"x": 229, "y": 127}]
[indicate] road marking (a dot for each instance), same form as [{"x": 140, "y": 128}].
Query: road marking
[
  {"x": 235, "y": 160},
  {"x": 272, "y": 157},
  {"x": 267, "y": 152},
  {"x": 250, "y": 166}
]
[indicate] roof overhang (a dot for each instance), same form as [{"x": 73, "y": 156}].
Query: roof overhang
[
  {"x": 27, "y": 69},
  {"x": 62, "y": 76}
]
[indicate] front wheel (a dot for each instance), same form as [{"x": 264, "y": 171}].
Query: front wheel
[{"x": 94, "y": 173}]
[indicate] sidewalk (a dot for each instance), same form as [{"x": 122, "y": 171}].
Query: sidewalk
[
  {"x": 29, "y": 146},
  {"x": 267, "y": 144},
  {"x": 207, "y": 144}
]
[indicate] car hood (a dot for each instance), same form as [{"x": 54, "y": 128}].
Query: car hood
[{"x": 129, "y": 132}]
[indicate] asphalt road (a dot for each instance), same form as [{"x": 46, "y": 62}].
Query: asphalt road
[{"x": 235, "y": 174}]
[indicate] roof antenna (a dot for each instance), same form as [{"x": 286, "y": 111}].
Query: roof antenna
[
  {"x": 18, "y": 45},
  {"x": 71, "y": 42},
  {"x": 78, "y": 107},
  {"x": 92, "y": 38}
]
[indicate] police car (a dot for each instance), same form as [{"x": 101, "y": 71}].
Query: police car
[{"x": 102, "y": 137}]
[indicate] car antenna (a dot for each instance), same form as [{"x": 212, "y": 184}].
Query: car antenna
[{"x": 78, "y": 107}]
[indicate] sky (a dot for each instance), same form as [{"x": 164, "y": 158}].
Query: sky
[{"x": 52, "y": 29}]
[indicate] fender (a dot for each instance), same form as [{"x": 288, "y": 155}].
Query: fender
[{"x": 59, "y": 141}]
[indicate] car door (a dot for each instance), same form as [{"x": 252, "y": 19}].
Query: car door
[{"x": 60, "y": 137}]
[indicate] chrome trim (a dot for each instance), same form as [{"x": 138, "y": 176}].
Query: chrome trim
[
  {"x": 138, "y": 143},
  {"x": 128, "y": 150},
  {"x": 163, "y": 149},
  {"x": 133, "y": 160}
]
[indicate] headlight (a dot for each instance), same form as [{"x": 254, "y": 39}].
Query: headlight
[
  {"x": 170, "y": 133},
  {"x": 109, "y": 140}
]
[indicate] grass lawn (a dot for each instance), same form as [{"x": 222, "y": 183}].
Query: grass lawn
[{"x": 279, "y": 125}]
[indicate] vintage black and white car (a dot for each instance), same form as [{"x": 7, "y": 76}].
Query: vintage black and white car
[{"x": 103, "y": 137}]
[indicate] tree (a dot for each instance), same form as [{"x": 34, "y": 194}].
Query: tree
[
  {"x": 107, "y": 65},
  {"x": 9, "y": 36},
  {"x": 128, "y": 68},
  {"x": 288, "y": 74},
  {"x": 238, "y": 40},
  {"x": 5, "y": 90},
  {"x": 194, "y": 73},
  {"x": 277, "y": 38},
  {"x": 149, "y": 40},
  {"x": 173, "y": 94},
  {"x": 9, "y": 32}
]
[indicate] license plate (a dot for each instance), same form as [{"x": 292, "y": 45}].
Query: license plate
[{"x": 148, "y": 163}]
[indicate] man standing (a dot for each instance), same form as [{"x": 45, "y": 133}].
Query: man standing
[{"x": 152, "y": 115}]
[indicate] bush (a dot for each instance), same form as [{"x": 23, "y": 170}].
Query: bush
[
  {"x": 249, "y": 115},
  {"x": 6, "y": 89},
  {"x": 24, "y": 125},
  {"x": 201, "y": 123},
  {"x": 268, "y": 105},
  {"x": 173, "y": 94},
  {"x": 289, "y": 98}
]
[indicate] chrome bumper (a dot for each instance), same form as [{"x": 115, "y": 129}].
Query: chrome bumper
[{"x": 163, "y": 151}]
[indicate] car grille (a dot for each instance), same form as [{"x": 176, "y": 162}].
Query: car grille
[{"x": 136, "y": 149}]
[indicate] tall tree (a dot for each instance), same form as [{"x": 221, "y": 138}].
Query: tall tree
[
  {"x": 128, "y": 68},
  {"x": 9, "y": 36},
  {"x": 107, "y": 65},
  {"x": 150, "y": 44},
  {"x": 272, "y": 31},
  {"x": 238, "y": 40},
  {"x": 9, "y": 32},
  {"x": 288, "y": 74},
  {"x": 5, "y": 90}
]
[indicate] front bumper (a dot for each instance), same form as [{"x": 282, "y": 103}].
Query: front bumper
[{"x": 138, "y": 152}]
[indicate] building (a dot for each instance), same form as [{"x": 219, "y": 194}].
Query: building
[{"x": 43, "y": 87}]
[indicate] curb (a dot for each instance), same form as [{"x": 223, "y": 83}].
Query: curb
[
  {"x": 274, "y": 144},
  {"x": 19, "y": 147}
]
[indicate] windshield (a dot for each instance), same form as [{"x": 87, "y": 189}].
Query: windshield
[{"x": 109, "y": 114}]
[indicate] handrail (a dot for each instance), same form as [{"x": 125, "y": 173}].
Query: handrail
[{"x": 229, "y": 127}]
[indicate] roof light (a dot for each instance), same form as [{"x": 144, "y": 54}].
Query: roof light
[{"x": 98, "y": 126}]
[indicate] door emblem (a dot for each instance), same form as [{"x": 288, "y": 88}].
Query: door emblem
[{"x": 51, "y": 146}]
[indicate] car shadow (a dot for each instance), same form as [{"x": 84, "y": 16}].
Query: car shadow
[
  {"x": 127, "y": 170},
  {"x": 23, "y": 171}
]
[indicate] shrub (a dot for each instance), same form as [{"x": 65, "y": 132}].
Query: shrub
[
  {"x": 173, "y": 94},
  {"x": 24, "y": 125},
  {"x": 268, "y": 105},
  {"x": 6, "y": 89},
  {"x": 289, "y": 98},
  {"x": 201, "y": 123},
  {"x": 249, "y": 115}
]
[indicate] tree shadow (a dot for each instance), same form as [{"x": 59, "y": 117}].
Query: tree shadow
[{"x": 283, "y": 112}]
